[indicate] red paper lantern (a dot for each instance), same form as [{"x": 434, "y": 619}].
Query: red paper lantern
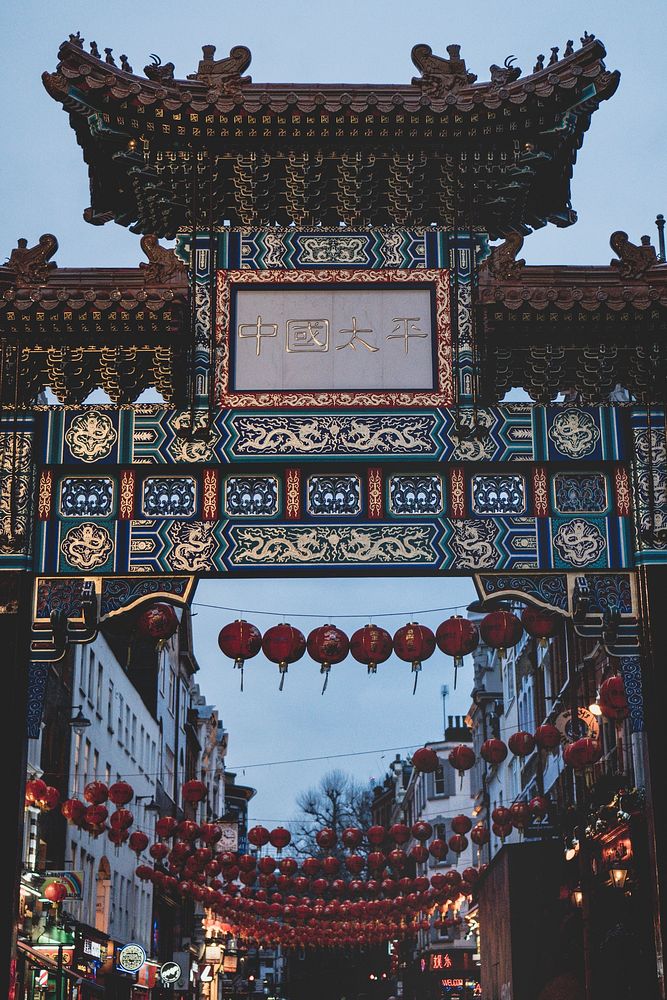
[
  {"x": 539, "y": 806},
  {"x": 280, "y": 837},
  {"x": 96, "y": 792},
  {"x": 138, "y": 842},
  {"x": 55, "y": 892},
  {"x": 462, "y": 758},
  {"x": 158, "y": 851},
  {"x": 425, "y": 760},
  {"x": 117, "y": 835},
  {"x": 461, "y": 824},
  {"x": 438, "y": 848},
  {"x": 399, "y": 833},
  {"x": 480, "y": 834},
  {"x": 457, "y": 636},
  {"x": 326, "y": 838},
  {"x": 354, "y": 863},
  {"x": 331, "y": 866},
  {"x": 397, "y": 858},
  {"x": 50, "y": 799},
  {"x": 547, "y": 737},
  {"x": 187, "y": 830},
  {"x": 194, "y": 791},
  {"x": 35, "y": 790},
  {"x": 421, "y": 830},
  {"x": 95, "y": 816},
  {"x": 458, "y": 843},
  {"x": 414, "y": 643},
  {"x": 158, "y": 621},
  {"x": 501, "y": 815},
  {"x": 73, "y": 810},
  {"x": 144, "y": 872},
  {"x": 419, "y": 853},
  {"x": 376, "y": 860},
  {"x": 371, "y": 645},
  {"x": 502, "y": 830},
  {"x": 351, "y": 837},
  {"x": 327, "y": 645},
  {"x": 240, "y": 641},
  {"x": 520, "y": 815},
  {"x": 210, "y": 833},
  {"x": 121, "y": 819},
  {"x": 521, "y": 744},
  {"x": 612, "y": 699},
  {"x": 375, "y": 835},
  {"x": 540, "y": 623},
  {"x": 493, "y": 751},
  {"x": 166, "y": 826},
  {"x": 258, "y": 836},
  {"x": 120, "y": 793},
  {"x": 501, "y": 630},
  {"x": 582, "y": 753},
  {"x": 283, "y": 644}
]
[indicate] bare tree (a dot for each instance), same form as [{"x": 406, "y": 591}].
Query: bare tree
[{"x": 337, "y": 801}]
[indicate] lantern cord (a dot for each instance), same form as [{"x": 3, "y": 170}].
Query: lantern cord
[
  {"x": 242, "y": 678},
  {"x": 299, "y": 614}
]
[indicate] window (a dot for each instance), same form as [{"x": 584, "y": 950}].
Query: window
[
  {"x": 107, "y": 773},
  {"x": 72, "y": 854},
  {"x": 110, "y": 706},
  {"x": 86, "y": 761},
  {"x": 169, "y": 768},
  {"x": 91, "y": 676},
  {"x": 153, "y": 758},
  {"x": 96, "y": 765},
  {"x": 120, "y": 718},
  {"x": 100, "y": 682},
  {"x": 127, "y": 727},
  {"x": 172, "y": 692},
  {"x": 142, "y": 747},
  {"x": 184, "y": 705},
  {"x": 77, "y": 758},
  {"x": 508, "y": 680},
  {"x": 133, "y": 735},
  {"x": 83, "y": 668},
  {"x": 439, "y": 781},
  {"x": 163, "y": 669}
]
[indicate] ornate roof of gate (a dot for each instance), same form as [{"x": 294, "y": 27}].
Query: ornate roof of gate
[{"x": 441, "y": 149}]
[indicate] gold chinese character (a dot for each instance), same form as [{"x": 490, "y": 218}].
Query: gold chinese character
[
  {"x": 307, "y": 335},
  {"x": 407, "y": 332},
  {"x": 355, "y": 337},
  {"x": 257, "y": 335}
]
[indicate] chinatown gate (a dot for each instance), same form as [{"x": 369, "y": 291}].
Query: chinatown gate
[{"x": 333, "y": 337}]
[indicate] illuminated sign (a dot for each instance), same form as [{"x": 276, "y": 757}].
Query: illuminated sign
[
  {"x": 450, "y": 984},
  {"x": 170, "y": 973},
  {"x": 131, "y": 958},
  {"x": 440, "y": 960},
  {"x": 93, "y": 948}
]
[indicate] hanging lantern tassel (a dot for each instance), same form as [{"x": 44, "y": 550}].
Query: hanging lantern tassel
[
  {"x": 324, "y": 669},
  {"x": 283, "y": 644},
  {"x": 327, "y": 645},
  {"x": 240, "y": 641},
  {"x": 414, "y": 643},
  {"x": 457, "y": 637}
]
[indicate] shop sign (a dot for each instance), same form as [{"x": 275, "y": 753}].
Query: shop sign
[
  {"x": 588, "y": 726},
  {"x": 170, "y": 973},
  {"x": 131, "y": 958},
  {"x": 73, "y": 882}
]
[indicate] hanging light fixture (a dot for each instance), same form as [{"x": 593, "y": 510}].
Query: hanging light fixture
[
  {"x": 79, "y": 722},
  {"x": 618, "y": 873}
]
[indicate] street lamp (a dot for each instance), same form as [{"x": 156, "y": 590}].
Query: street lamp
[
  {"x": 79, "y": 722},
  {"x": 151, "y": 805},
  {"x": 618, "y": 873},
  {"x": 577, "y": 897}
]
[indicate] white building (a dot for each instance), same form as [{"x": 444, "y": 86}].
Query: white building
[{"x": 121, "y": 743}]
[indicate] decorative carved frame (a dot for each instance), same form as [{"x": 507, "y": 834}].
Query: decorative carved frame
[{"x": 437, "y": 278}]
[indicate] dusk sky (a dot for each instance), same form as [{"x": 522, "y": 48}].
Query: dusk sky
[{"x": 619, "y": 183}]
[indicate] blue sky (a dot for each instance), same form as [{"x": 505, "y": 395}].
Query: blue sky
[{"x": 618, "y": 184}]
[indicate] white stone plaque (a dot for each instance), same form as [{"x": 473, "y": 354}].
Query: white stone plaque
[{"x": 333, "y": 339}]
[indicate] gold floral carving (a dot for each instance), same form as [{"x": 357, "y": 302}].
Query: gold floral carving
[
  {"x": 375, "y": 493},
  {"x": 126, "y": 501},
  {"x": 330, "y": 277},
  {"x": 388, "y": 544},
  {"x": 91, "y": 436},
  {"x": 292, "y": 493},
  {"x": 87, "y": 546},
  {"x": 45, "y": 495},
  {"x": 540, "y": 492},
  {"x": 457, "y": 490},
  {"x": 622, "y": 491},
  {"x": 210, "y": 494}
]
